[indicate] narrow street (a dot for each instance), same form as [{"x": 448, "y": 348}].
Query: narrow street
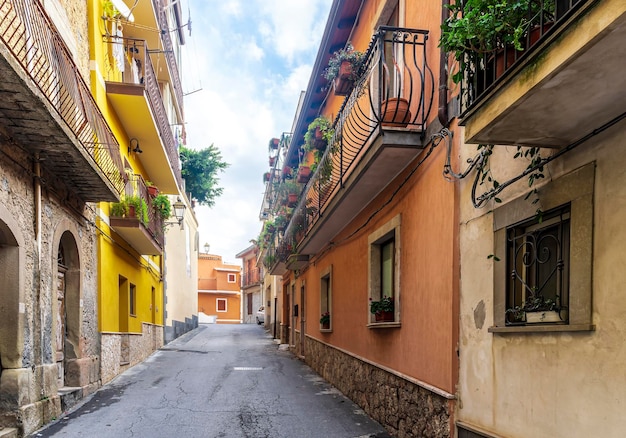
[{"x": 226, "y": 381}]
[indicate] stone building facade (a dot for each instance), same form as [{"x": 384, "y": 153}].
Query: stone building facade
[{"x": 57, "y": 158}]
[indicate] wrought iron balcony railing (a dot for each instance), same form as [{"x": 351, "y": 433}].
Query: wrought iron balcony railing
[
  {"x": 169, "y": 50},
  {"x": 483, "y": 71},
  {"x": 395, "y": 69},
  {"x": 31, "y": 38},
  {"x": 153, "y": 223},
  {"x": 142, "y": 73}
]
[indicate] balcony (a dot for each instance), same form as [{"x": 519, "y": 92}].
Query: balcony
[
  {"x": 566, "y": 83},
  {"x": 145, "y": 234},
  {"x": 251, "y": 277},
  {"x": 47, "y": 108},
  {"x": 138, "y": 102},
  {"x": 373, "y": 141}
]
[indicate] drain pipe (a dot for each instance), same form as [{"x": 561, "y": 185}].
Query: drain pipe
[
  {"x": 38, "y": 317},
  {"x": 442, "y": 112},
  {"x": 37, "y": 206}
]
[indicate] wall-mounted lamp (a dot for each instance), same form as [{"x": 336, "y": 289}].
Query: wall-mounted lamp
[
  {"x": 207, "y": 247},
  {"x": 179, "y": 212},
  {"x": 136, "y": 149}
]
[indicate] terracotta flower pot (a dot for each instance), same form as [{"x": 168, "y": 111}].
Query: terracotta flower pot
[
  {"x": 395, "y": 112},
  {"x": 326, "y": 325},
  {"x": 384, "y": 316},
  {"x": 343, "y": 84},
  {"x": 153, "y": 191},
  {"x": 304, "y": 173}
]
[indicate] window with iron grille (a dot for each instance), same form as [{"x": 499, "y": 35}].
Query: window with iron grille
[
  {"x": 537, "y": 261},
  {"x": 543, "y": 276}
]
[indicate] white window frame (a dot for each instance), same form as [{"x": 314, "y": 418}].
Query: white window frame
[
  {"x": 217, "y": 306},
  {"x": 233, "y": 276},
  {"x": 326, "y": 295}
]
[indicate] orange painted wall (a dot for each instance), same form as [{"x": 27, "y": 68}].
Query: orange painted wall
[
  {"x": 213, "y": 284},
  {"x": 425, "y": 346}
]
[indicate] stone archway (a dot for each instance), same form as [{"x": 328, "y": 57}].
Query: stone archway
[{"x": 12, "y": 310}]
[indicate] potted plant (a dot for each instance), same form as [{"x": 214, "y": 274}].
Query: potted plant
[
  {"x": 325, "y": 321},
  {"x": 487, "y": 27},
  {"x": 344, "y": 68},
  {"x": 535, "y": 309},
  {"x": 266, "y": 177},
  {"x": 119, "y": 209},
  {"x": 162, "y": 206},
  {"x": 319, "y": 133},
  {"x": 395, "y": 112},
  {"x": 383, "y": 310},
  {"x": 273, "y": 144},
  {"x": 152, "y": 189},
  {"x": 280, "y": 222}
]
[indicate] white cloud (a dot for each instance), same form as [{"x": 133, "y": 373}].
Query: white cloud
[{"x": 251, "y": 64}]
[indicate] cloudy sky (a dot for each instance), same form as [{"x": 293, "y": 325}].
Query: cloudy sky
[{"x": 244, "y": 67}]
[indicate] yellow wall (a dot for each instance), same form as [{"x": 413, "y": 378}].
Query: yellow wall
[{"x": 116, "y": 258}]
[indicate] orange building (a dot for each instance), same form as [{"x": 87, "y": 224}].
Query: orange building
[
  {"x": 219, "y": 290},
  {"x": 369, "y": 257}
]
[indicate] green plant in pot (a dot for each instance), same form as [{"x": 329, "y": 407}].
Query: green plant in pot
[
  {"x": 319, "y": 134},
  {"x": 162, "y": 206},
  {"x": 484, "y": 27},
  {"x": 382, "y": 309},
  {"x": 344, "y": 69},
  {"x": 535, "y": 302}
]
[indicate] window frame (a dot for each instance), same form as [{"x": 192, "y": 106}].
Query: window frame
[
  {"x": 375, "y": 241},
  {"x": 217, "y": 305},
  {"x": 132, "y": 299},
  {"x": 234, "y": 278},
  {"x": 326, "y": 296},
  {"x": 575, "y": 188}
]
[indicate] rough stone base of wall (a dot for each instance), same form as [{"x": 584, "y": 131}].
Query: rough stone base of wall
[
  {"x": 402, "y": 407},
  {"x": 120, "y": 351},
  {"x": 179, "y": 328}
]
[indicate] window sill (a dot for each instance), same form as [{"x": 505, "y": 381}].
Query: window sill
[
  {"x": 326, "y": 330},
  {"x": 543, "y": 328},
  {"x": 384, "y": 325}
]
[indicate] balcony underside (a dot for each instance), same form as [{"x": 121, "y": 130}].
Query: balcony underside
[
  {"x": 136, "y": 234},
  {"x": 27, "y": 118},
  {"x": 575, "y": 84},
  {"x": 131, "y": 104},
  {"x": 390, "y": 152}
]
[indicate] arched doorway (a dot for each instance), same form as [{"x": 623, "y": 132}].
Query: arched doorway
[
  {"x": 67, "y": 312},
  {"x": 61, "y": 319},
  {"x": 11, "y": 309}
]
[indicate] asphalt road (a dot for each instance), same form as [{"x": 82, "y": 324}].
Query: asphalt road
[{"x": 226, "y": 381}]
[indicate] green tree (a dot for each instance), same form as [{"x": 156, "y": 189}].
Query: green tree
[{"x": 200, "y": 169}]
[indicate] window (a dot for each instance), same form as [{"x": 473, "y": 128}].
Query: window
[
  {"x": 326, "y": 300},
  {"x": 232, "y": 278},
  {"x": 221, "y": 304},
  {"x": 132, "y": 298},
  {"x": 537, "y": 260},
  {"x": 384, "y": 275},
  {"x": 546, "y": 265}
]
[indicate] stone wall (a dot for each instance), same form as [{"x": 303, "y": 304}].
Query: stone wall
[
  {"x": 402, "y": 407},
  {"x": 29, "y": 390},
  {"x": 120, "y": 351}
]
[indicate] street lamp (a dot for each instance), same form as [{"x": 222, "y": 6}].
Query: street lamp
[{"x": 207, "y": 247}]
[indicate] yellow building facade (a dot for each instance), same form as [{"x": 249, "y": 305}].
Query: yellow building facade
[{"x": 136, "y": 82}]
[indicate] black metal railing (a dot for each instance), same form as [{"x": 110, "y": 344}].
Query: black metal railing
[
  {"x": 32, "y": 39},
  {"x": 140, "y": 71},
  {"x": 136, "y": 187},
  {"x": 483, "y": 71},
  {"x": 395, "y": 69},
  {"x": 168, "y": 46}
]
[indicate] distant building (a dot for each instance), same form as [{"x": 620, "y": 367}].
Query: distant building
[
  {"x": 219, "y": 290},
  {"x": 251, "y": 282}
]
